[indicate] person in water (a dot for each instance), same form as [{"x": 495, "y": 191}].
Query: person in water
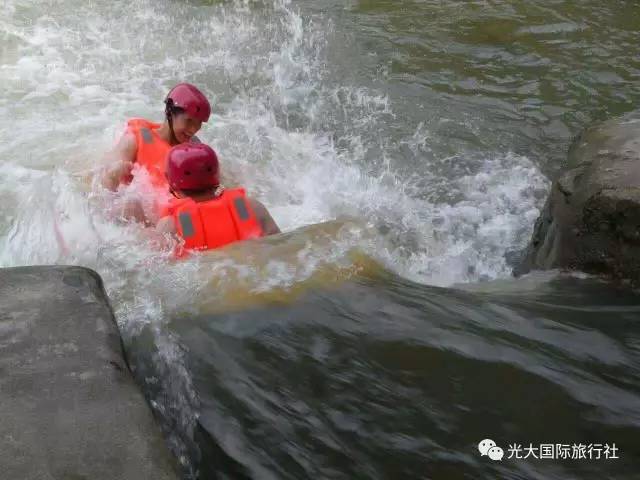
[
  {"x": 147, "y": 143},
  {"x": 202, "y": 212}
]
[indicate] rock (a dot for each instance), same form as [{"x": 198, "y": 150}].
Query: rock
[
  {"x": 591, "y": 220},
  {"x": 68, "y": 403}
]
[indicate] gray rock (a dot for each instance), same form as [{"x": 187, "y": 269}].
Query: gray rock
[
  {"x": 591, "y": 220},
  {"x": 68, "y": 403}
]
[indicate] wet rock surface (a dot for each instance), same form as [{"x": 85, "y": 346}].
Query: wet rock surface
[{"x": 591, "y": 220}]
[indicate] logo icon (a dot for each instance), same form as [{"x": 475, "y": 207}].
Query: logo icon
[
  {"x": 488, "y": 448},
  {"x": 496, "y": 453},
  {"x": 485, "y": 445}
]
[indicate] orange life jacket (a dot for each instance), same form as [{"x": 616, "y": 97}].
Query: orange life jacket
[
  {"x": 152, "y": 149},
  {"x": 213, "y": 223}
]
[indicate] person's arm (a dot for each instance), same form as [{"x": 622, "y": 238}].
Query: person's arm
[
  {"x": 119, "y": 161},
  {"x": 269, "y": 226}
]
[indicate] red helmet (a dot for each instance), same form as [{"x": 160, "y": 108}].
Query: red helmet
[
  {"x": 192, "y": 166},
  {"x": 190, "y": 99}
]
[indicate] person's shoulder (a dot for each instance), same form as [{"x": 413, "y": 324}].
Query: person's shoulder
[{"x": 137, "y": 123}]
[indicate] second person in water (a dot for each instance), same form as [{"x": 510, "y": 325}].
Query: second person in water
[{"x": 202, "y": 213}]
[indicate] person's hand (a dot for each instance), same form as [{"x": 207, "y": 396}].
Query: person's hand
[
  {"x": 117, "y": 173},
  {"x": 122, "y": 170}
]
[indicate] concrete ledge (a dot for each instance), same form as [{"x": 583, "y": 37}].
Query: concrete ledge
[{"x": 68, "y": 403}]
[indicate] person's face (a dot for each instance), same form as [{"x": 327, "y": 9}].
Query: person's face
[{"x": 185, "y": 127}]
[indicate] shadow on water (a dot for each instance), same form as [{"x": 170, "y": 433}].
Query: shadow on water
[{"x": 379, "y": 377}]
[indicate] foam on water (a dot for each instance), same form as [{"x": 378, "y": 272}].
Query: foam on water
[{"x": 265, "y": 69}]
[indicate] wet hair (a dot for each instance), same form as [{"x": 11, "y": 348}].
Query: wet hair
[{"x": 170, "y": 110}]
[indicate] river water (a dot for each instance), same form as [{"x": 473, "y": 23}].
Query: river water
[{"x": 405, "y": 148}]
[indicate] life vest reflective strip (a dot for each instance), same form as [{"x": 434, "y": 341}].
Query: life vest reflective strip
[
  {"x": 151, "y": 149},
  {"x": 214, "y": 223}
]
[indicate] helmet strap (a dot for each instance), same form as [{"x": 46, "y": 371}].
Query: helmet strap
[{"x": 174, "y": 193}]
